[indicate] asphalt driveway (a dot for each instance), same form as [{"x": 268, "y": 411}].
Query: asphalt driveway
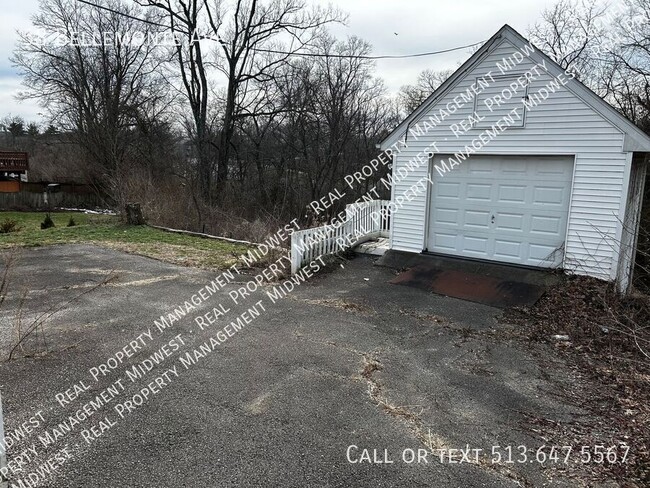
[{"x": 345, "y": 360}]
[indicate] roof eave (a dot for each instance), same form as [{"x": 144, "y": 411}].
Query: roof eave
[
  {"x": 635, "y": 144},
  {"x": 402, "y": 127}
]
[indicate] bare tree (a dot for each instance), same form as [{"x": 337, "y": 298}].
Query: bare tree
[
  {"x": 263, "y": 115},
  {"x": 622, "y": 87},
  {"x": 411, "y": 96},
  {"x": 630, "y": 59},
  {"x": 254, "y": 40},
  {"x": 255, "y": 27},
  {"x": 569, "y": 33},
  {"x": 609, "y": 53},
  {"x": 338, "y": 105},
  {"x": 95, "y": 85},
  {"x": 186, "y": 22}
]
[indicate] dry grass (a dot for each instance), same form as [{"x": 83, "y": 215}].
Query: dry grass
[
  {"x": 340, "y": 303},
  {"x": 173, "y": 203},
  {"x": 370, "y": 365},
  {"x": 425, "y": 317}
]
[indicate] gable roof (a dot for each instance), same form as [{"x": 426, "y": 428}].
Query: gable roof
[{"x": 635, "y": 138}]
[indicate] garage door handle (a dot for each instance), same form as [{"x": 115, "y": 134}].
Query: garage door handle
[{"x": 493, "y": 219}]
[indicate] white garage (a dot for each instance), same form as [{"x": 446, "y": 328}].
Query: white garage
[
  {"x": 520, "y": 163},
  {"x": 505, "y": 208}
]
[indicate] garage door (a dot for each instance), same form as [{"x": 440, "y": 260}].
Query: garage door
[{"x": 502, "y": 208}]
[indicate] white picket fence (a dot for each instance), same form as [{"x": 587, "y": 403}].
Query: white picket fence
[{"x": 364, "y": 221}]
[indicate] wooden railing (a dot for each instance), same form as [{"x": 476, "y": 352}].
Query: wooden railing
[
  {"x": 14, "y": 161},
  {"x": 364, "y": 221}
]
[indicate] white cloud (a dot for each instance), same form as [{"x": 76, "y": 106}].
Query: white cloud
[
  {"x": 424, "y": 26},
  {"x": 28, "y": 109},
  {"x": 421, "y": 26},
  {"x": 16, "y": 17}
]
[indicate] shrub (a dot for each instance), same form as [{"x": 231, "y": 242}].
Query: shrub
[
  {"x": 71, "y": 222},
  {"x": 8, "y": 225},
  {"x": 47, "y": 223}
]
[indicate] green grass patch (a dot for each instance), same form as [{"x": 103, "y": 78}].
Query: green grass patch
[{"x": 108, "y": 231}]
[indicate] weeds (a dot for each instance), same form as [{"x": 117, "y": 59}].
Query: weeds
[
  {"x": 9, "y": 225},
  {"x": 32, "y": 330}
]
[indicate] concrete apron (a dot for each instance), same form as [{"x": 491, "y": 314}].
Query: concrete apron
[{"x": 535, "y": 276}]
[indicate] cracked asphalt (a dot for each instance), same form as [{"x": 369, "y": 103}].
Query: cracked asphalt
[{"x": 346, "y": 360}]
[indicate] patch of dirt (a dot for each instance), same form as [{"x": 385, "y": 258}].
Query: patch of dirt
[
  {"x": 425, "y": 317},
  {"x": 607, "y": 346},
  {"x": 464, "y": 332},
  {"x": 342, "y": 303},
  {"x": 370, "y": 365}
]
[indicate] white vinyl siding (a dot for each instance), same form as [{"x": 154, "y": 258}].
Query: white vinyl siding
[
  {"x": 562, "y": 125},
  {"x": 491, "y": 109}
]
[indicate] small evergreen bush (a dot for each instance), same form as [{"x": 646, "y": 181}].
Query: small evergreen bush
[{"x": 47, "y": 223}]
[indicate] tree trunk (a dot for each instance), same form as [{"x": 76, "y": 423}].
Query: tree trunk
[{"x": 134, "y": 214}]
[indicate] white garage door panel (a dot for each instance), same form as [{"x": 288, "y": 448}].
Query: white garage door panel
[{"x": 504, "y": 208}]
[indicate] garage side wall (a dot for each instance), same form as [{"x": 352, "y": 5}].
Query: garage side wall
[{"x": 561, "y": 125}]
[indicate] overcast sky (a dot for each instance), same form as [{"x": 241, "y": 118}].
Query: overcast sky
[{"x": 391, "y": 26}]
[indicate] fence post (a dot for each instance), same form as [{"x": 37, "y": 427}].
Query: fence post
[
  {"x": 3, "y": 454},
  {"x": 295, "y": 257}
]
